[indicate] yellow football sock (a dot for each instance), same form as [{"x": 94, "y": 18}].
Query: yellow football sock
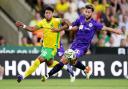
[{"x": 32, "y": 68}]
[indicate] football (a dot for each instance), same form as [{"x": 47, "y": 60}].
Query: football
[{"x": 70, "y": 54}]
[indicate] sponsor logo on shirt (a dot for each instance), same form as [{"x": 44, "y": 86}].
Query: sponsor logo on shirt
[
  {"x": 87, "y": 28},
  {"x": 81, "y": 27}
]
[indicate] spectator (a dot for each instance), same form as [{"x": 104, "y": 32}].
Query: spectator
[
  {"x": 2, "y": 41},
  {"x": 110, "y": 43},
  {"x": 71, "y": 15},
  {"x": 62, "y": 7},
  {"x": 123, "y": 43},
  {"x": 81, "y": 4},
  {"x": 112, "y": 13},
  {"x": 38, "y": 33},
  {"x": 124, "y": 7},
  {"x": 101, "y": 42},
  {"x": 124, "y": 34},
  {"x": 113, "y": 21},
  {"x": 113, "y": 5},
  {"x": 103, "y": 35},
  {"x": 81, "y": 10},
  {"x": 39, "y": 5},
  {"x": 123, "y": 25},
  {"x": 25, "y": 41},
  {"x": 127, "y": 41},
  {"x": 73, "y": 4},
  {"x": 1, "y": 72},
  {"x": 100, "y": 5},
  {"x": 118, "y": 7},
  {"x": 94, "y": 40},
  {"x": 123, "y": 22},
  {"x": 117, "y": 40},
  {"x": 36, "y": 41},
  {"x": 50, "y": 2},
  {"x": 105, "y": 17}
]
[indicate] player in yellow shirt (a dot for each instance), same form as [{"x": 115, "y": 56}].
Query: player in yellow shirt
[{"x": 51, "y": 40}]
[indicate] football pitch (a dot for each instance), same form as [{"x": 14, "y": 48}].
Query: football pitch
[{"x": 65, "y": 84}]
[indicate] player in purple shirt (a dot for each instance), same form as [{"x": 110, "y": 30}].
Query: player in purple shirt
[{"x": 86, "y": 27}]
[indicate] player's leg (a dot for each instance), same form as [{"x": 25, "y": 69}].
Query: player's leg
[
  {"x": 60, "y": 53},
  {"x": 70, "y": 70},
  {"x": 66, "y": 67},
  {"x": 56, "y": 68},
  {"x": 59, "y": 66},
  {"x": 51, "y": 65},
  {"x": 78, "y": 64},
  {"x": 31, "y": 69},
  {"x": 86, "y": 69},
  {"x": 54, "y": 63},
  {"x": 34, "y": 66}
]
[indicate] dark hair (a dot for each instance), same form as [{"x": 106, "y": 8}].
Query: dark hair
[
  {"x": 1, "y": 37},
  {"x": 90, "y": 7},
  {"x": 49, "y": 8}
]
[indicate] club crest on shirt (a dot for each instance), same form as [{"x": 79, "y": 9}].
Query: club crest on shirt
[{"x": 90, "y": 24}]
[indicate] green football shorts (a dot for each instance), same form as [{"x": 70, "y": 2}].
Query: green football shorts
[{"x": 48, "y": 53}]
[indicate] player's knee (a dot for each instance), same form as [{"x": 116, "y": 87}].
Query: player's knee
[
  {"x": 40, "y": 59},
  {"x": 49, "y": 63}
]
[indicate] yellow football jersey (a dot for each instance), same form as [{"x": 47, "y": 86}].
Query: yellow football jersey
[{"x": 50, "y": 39}]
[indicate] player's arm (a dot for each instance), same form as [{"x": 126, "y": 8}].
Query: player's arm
[
  {"x": 28, "y": 28},
  {"x": 75, "y": 25},
  {"x": 111, "y": 30},
  {"x": 73, "y": 28},
  {"x": 65, "y": 25}
]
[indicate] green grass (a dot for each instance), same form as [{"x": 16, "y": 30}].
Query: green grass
[{"x": 65, "y": 84}]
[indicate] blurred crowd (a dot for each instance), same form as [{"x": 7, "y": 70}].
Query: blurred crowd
[
  {"x": 1, "y": 72},
  {"x": 112, "y": 13},
  {"x": 2, "y": 41}
]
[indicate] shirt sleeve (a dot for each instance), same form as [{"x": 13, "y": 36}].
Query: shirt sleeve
[
  {"x": 76, "y": 23},
  {"x": 98, "y": 26},
  {"x": 39, "y": 24}
]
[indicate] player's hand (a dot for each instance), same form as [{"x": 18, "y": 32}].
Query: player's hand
[
  {"x": 74, "y": 28},
  {"x": 19, "y": 24},
  {"x": 55, "y": 30}
]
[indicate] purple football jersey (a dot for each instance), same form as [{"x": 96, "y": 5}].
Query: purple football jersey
[{"x": 84, "y": 34}]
